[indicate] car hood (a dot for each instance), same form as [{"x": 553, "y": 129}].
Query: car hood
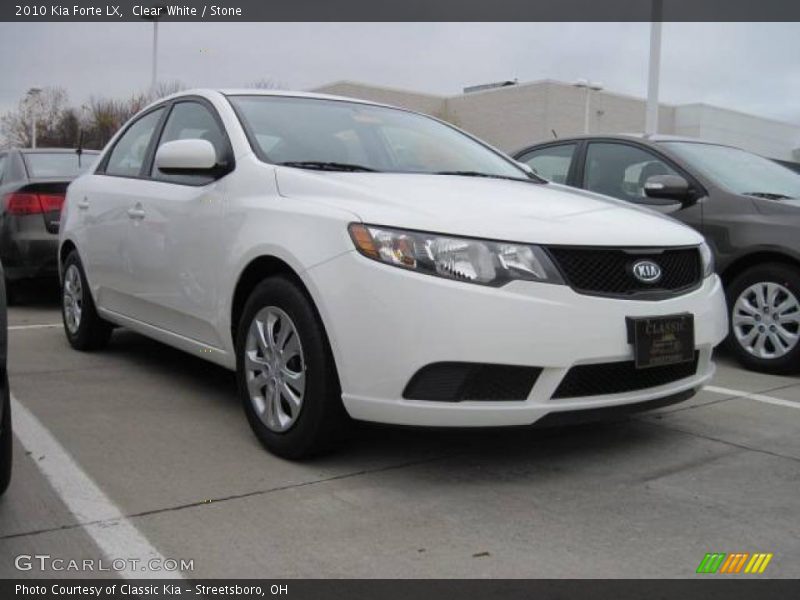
[{"x": 487, "y": 208}]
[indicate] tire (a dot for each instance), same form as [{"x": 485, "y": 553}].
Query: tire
[
  {"x": 317, "y": 422},
  {"x": 776, "y": 348},
  {"x": 89, "y": 331},
  {"x": 6, "y": 442}
]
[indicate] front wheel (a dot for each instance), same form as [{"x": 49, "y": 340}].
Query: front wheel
[
  {"x": 764, "y": 307},
  {"x": 286, "y": 374}
]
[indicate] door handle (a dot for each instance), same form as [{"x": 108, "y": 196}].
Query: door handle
[
  {"x": 137, "y": 212},
  {"x": 83, "y": 204}
]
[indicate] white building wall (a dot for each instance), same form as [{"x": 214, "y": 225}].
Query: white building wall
[
  {"x": 425, "y": 103},
  {"x": 516, "y": 116},
  {"x": 762, "y": 136},
  {"x": 508, "y": 118}
]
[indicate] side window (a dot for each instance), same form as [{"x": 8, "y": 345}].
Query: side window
[
  {"x": 552, "y": 162},
  {"x": 192, "y": 121},
  {"x": 620, "y": 170},
  {"x": 128, "y": 155}
]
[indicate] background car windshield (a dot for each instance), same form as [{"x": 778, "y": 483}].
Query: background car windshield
[
  {"x": 378, "y": 138},
  {"x": 739, "y": 171},
  {"x": 57, "y": 164}
]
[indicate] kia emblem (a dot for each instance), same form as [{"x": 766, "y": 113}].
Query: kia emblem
[{"x": 647, "y": 271}]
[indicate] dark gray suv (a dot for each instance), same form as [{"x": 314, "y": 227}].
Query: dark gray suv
[{"x": 748, "y": 208}]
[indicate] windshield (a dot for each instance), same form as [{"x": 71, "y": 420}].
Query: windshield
[
  {"x": 739, "y": 171},
  {"x": 302, "y": 131},
  {"x": 57, "y": 164}
]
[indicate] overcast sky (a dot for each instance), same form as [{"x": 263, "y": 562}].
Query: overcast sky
[{"x": 749, "y": 67}]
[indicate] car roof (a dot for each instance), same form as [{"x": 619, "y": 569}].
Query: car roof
[
  {"x": 207, "y": 92},
  {"x": 641, "y": 137}
]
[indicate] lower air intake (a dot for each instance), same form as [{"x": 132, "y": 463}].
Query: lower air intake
[
  {"x": 620, "y": 377},
  {"x": 457, "y": 381}
]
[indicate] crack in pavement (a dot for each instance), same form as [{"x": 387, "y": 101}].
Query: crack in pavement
[{"x": 251, "y": 494}]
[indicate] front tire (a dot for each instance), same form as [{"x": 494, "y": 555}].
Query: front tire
[
  {"x": 764, "y": 309},
  {"x": 286, "y": 373},
  {"x": 84, "y": 328}
]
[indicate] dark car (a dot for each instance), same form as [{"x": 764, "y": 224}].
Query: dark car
[
  {"x": 32, "y": 188},
  {"x": 6, "y": 440},
  {"x": 748, "y": 208}
]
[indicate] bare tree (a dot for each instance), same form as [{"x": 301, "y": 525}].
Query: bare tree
[
  {"x": 46, "y": 106},
  {"x": 166, "y": 88},
  {"x": 266, "y": 83},
  {"x": 59, "y": 125}
]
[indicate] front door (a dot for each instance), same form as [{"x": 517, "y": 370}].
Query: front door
[{"x": 177, "y": 243}]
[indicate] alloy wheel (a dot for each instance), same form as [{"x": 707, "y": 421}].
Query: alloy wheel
[
  {"x": 766, "y": 320},
  {"x": 73, "y": 298},
  {"x": 275, "y": 369}
]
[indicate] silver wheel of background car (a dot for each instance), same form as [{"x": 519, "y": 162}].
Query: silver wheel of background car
[
  {"x": 766, "y": 320},
  {"x": 73, "y": 298},
  {"x": 275, "y": 368}
]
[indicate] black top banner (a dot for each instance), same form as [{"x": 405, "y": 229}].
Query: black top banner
[{"x": 401, "y": 10}]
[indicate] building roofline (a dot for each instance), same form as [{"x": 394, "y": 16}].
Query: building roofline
[
  {"x": 380, "y": 87},
  {"x": 555, "y": 82}
]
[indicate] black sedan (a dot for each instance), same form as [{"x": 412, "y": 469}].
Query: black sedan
[
  {"x": 748, "y": 208},
  {"x": 32, "y": 187}
]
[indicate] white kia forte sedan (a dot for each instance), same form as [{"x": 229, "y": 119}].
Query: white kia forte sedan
[{"x": 357, "y": 261}]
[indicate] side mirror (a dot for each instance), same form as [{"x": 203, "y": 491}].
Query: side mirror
[
  {"x": 667, "y": 187},
  {"x": 186, "y": 157}
]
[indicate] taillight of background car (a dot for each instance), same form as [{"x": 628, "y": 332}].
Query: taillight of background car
[{"x": 23, "y": 203}]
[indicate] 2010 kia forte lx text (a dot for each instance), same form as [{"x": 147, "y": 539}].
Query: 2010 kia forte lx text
[{"x": 354, "y": 260}]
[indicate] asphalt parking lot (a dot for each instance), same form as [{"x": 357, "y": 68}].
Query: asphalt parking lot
[{"x": 176, "y": 470}]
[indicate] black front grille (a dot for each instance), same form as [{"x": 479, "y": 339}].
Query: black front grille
[
  {"x": 455, "y": 381},
  {"x": 609, "y": 271},
  {"x": 620, "y": 377}
]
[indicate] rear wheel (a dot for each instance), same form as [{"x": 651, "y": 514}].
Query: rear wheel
[
  {"x": 6, "y": 441},
  {"x": 84, "y": 328},
  {"x": 286, "y": 373},
  {"x": 764, "y": 305}
]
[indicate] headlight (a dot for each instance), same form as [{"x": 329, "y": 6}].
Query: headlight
[
  {"x": 462, "y": 259},
  {"x": 707, "y": 257}
]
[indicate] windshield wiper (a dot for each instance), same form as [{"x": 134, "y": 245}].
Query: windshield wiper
[
  {"x": 326, "y": 166},
  {"x": 488, "y": 175},
  {"x": 769, "y": 195}
]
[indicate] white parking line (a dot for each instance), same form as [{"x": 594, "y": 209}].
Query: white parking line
[
  {"x": 750, "y": 396},
  {"x": 35, "y": 326},
  {"x": 98, "y": 516}
]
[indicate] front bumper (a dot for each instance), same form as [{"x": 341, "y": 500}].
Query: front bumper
[{"x": 384, "y": 324}]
